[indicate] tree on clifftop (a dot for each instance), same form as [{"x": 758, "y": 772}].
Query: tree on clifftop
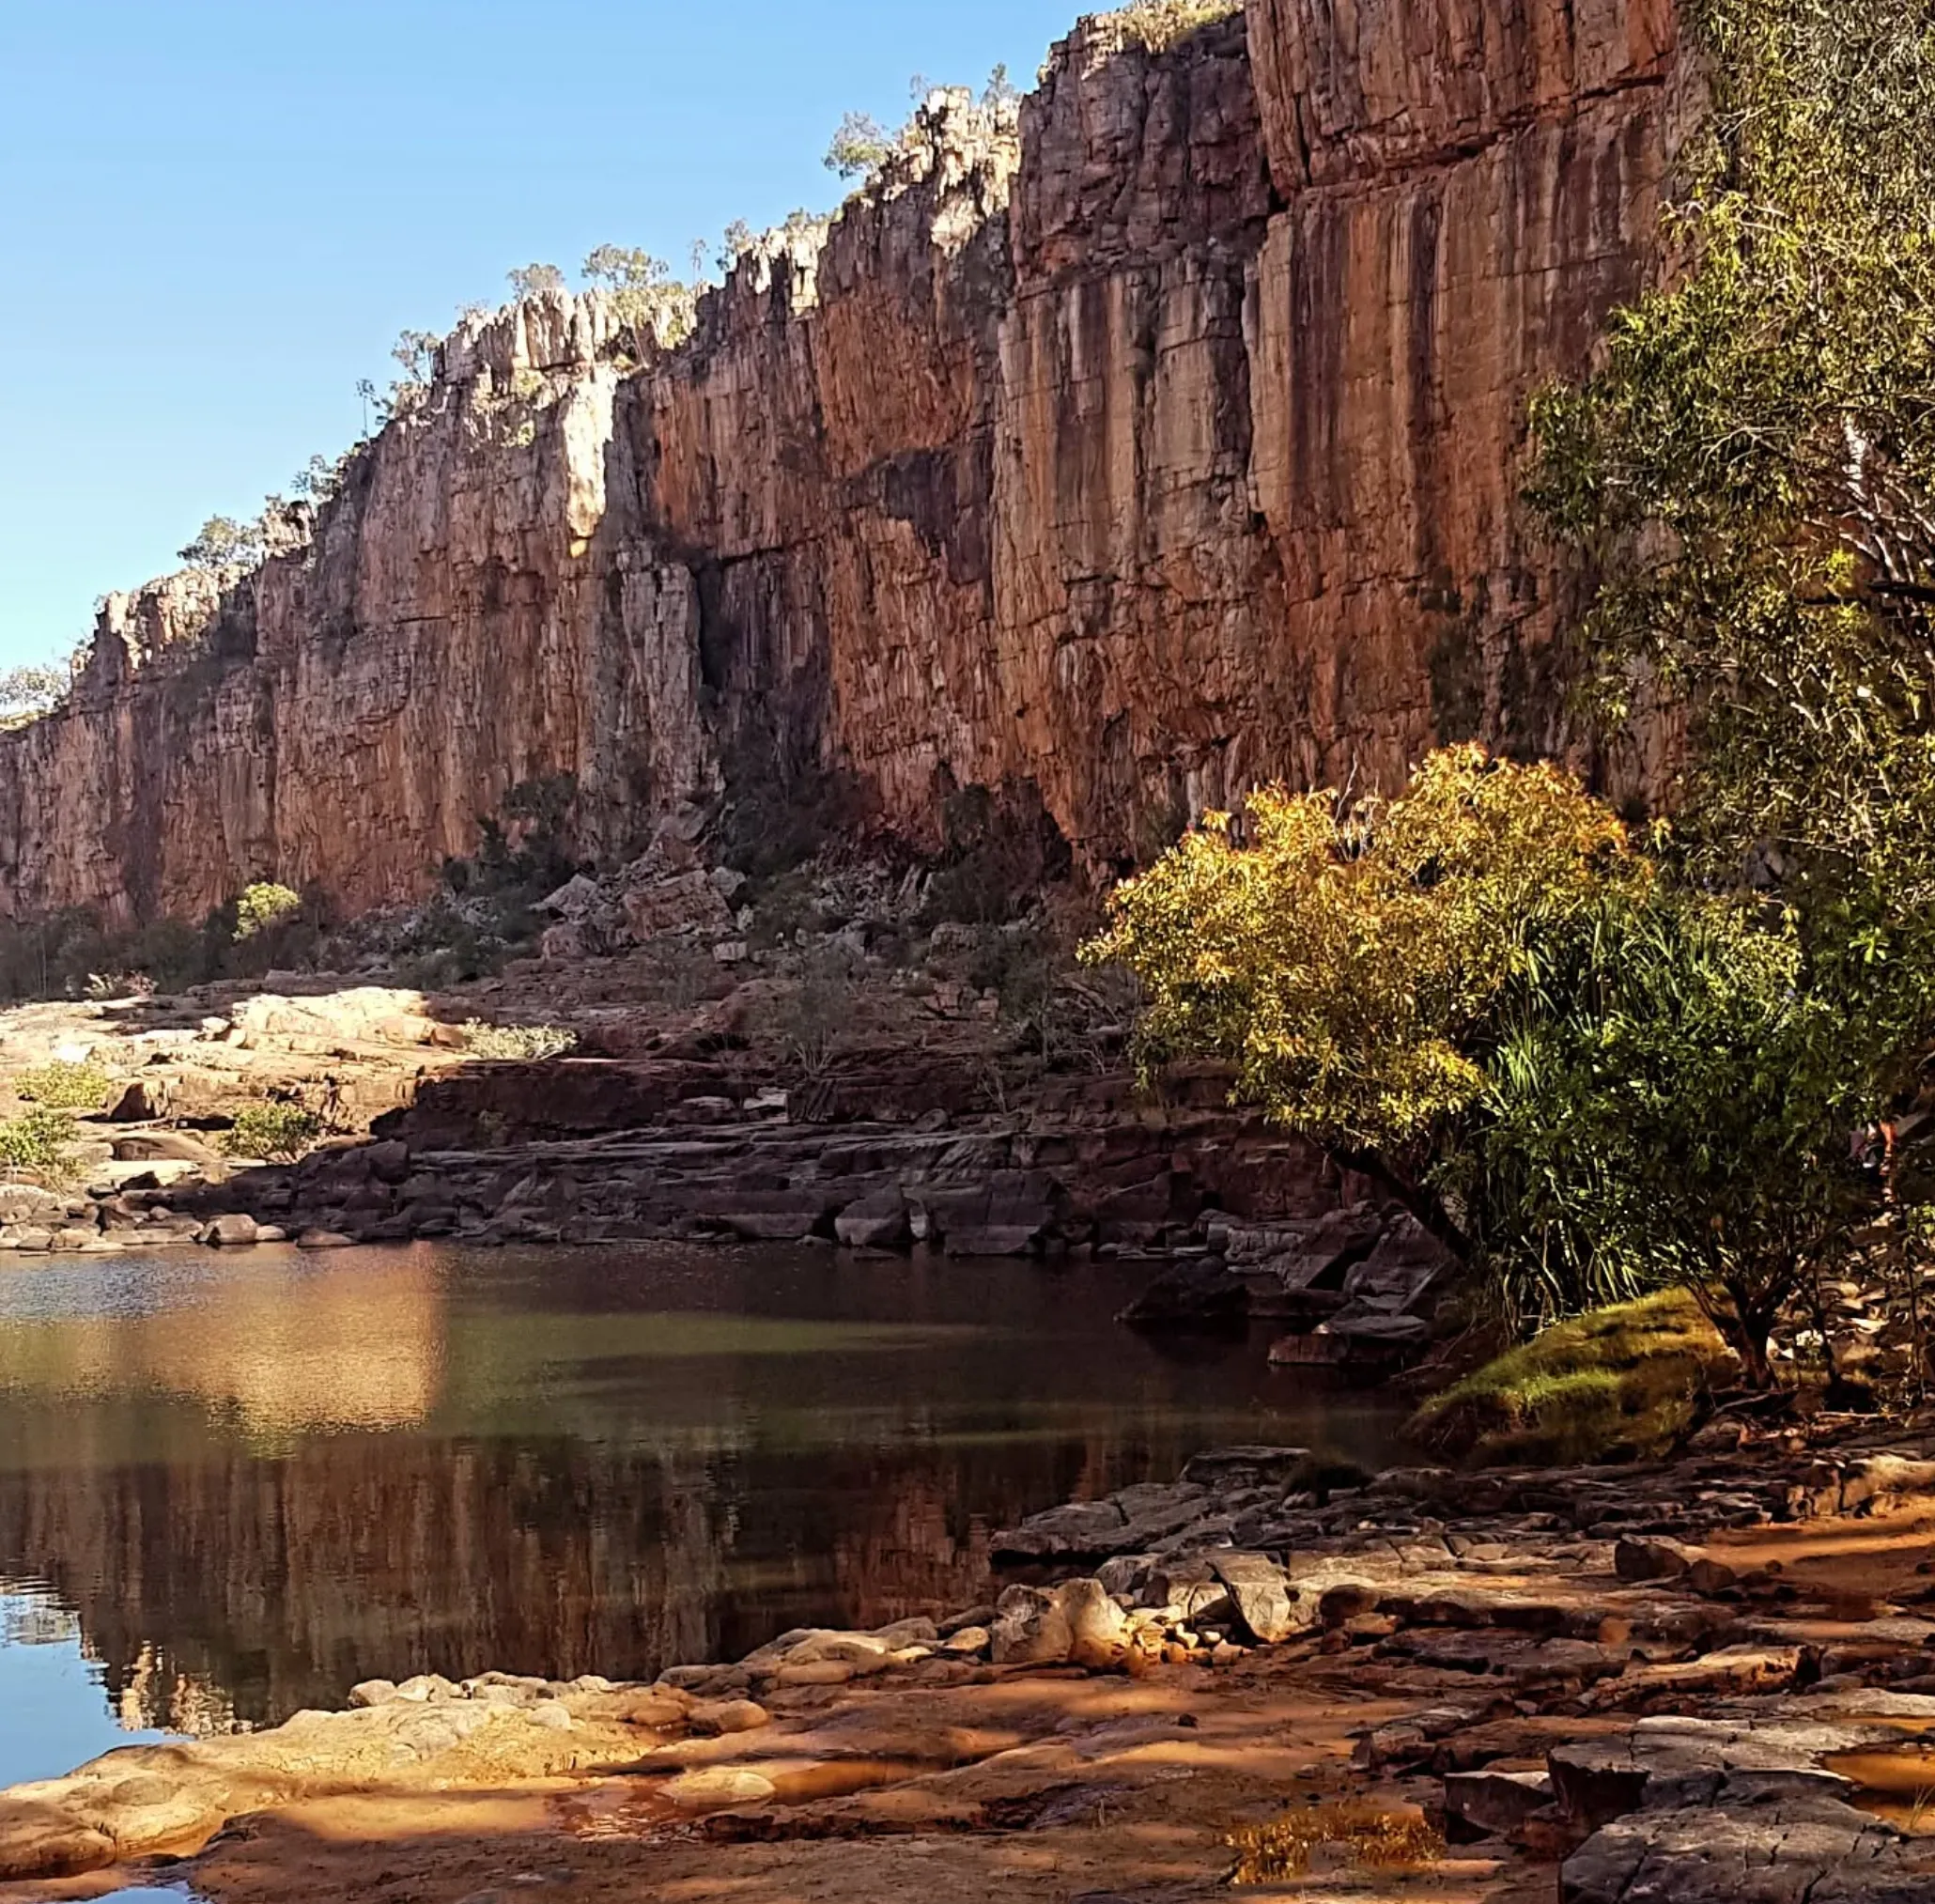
[
  {"x": 222, "y": 542},
  {"x": 530, "y": 281}
]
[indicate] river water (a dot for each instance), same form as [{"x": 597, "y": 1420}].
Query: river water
[{"x": 231, "y": 1486}]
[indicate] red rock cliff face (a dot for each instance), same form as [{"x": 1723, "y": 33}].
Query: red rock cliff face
[{"x": 1165, "y": 447}]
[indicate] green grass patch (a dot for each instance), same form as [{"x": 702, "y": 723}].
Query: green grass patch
[{"x": 1620, "y": 1383}]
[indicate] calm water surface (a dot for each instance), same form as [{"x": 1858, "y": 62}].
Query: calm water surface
[{"x": 233, "y": 1486}]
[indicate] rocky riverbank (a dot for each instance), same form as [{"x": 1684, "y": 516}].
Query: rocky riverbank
[
  {"x": 1711, "y": 1679},
  {"x": 668, "y": 1118}
]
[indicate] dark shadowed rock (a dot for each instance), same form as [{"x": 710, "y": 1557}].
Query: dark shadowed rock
[{"x": 1203, "y": 1293}]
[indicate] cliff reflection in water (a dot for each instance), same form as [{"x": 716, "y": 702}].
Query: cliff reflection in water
[{"x": 258, "y": 1479}]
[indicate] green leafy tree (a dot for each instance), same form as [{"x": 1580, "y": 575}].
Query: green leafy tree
[
  {"x": 1671, "y": 1095},
  {"x": 1750, "y": 478},
  {"x": 859, "y": 147},
  {"x": 223, "y": 543},
  {"x": 1584, "y": 1078},
  {"x": 531, "y": 281},
  {"x": 649, "y": 302},
  {"x": 1351, "y": 963},
  {"x": 38, "y": 687}
]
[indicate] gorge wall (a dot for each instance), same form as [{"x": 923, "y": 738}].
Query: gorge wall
[{"x": 1169, "y": 445}]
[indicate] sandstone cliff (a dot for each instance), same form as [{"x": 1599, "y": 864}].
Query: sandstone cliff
[{"x": 1166, "y": 445}]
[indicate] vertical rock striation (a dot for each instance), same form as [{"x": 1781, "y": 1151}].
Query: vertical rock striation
[{"x": 1166, "y": 444}]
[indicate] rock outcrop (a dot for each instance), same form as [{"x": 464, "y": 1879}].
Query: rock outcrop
[{"x": 1162, "y": 445}]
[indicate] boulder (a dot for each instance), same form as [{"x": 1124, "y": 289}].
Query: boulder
[
  {"x": 678, "y": 904},
  {"x": 1098, "y": 1629},
  {"x": 1200, "y": 1294},
  {"x": 1245, "y": 1466},
  {"x": 874, "y": 1222},
  {"x": 1261, "y": 1593},
  {"x": 138, "y": 1104},
  {"x": 1654, "y": 1557},
  {"x": 780, "y": 1216},
  {"x": 148, "y": 1147},
  {"x": 231, "y": 1231},
  {"x": 1493, "y": 1803},
  {"x": 1030, "y": 1629},
  {"x": 1083, "y": 1529}
]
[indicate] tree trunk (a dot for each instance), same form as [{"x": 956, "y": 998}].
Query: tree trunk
[{"x": 1420, "y": 1202}]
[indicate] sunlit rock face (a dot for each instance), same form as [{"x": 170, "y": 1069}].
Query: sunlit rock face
[{"x": 1167, "y": 444}]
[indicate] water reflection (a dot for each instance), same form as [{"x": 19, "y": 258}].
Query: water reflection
[{"x": 259, "y": 1479}]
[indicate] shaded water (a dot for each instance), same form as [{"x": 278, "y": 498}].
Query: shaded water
[{"x": 233, "y": 1486}]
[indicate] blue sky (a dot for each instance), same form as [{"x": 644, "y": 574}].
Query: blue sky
[{"x": 217, "y": 215}]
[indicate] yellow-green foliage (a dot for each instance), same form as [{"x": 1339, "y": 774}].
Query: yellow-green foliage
[
  {"x": 1626, "y": 1379},
  {"x": 37, "y": 1142},
  {"x": 528, "y": 1043},
  {"x": 63, "y": 1086},
  {"x": 1159, "y": 23},
  {"x": 279, "y": 1132},
  {"x": 1366, "y": 1834},
  {"x": 262, "y": 905},
  {"x": 1342, "y": 958}
]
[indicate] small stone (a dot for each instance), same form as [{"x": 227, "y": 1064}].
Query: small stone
[{"x": 324, "y": 1239}]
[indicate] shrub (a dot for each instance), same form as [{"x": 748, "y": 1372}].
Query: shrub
[
  {"x": 263, "y": 905},
  {"x": 1367, "y": 1834},
  {"x": 279, "y": 1132},
  {"x": 38, "y": 1142},
  {"x": 529, "y": 1043},
  {"x": 62, "y": 1085},
  {"x": 1159, "y": 23},
  {"x": 1626, "y": 1380},
  {"x": 813, "y": 1024}
]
